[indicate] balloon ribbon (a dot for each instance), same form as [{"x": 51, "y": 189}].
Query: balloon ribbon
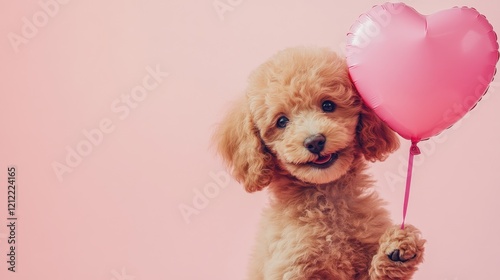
[{"x": 414, "y": 150}]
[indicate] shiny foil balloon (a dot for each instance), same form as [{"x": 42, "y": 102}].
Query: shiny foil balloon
[{"x": 419, "y": 73}]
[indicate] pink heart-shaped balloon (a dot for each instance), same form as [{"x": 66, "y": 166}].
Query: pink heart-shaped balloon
[{"x": 421, "y": 74}]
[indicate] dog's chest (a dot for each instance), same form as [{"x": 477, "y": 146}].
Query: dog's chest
[{"x": 338, "y": 233}]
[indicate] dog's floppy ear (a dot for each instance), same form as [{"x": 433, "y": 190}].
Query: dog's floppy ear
[
  {"x": 376, "y": 140},
  {"x": 239, "y": 143}
]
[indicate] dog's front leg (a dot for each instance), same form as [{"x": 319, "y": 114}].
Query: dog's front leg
[{"x": 400, "y": 252}]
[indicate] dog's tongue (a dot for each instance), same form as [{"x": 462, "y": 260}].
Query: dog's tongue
[{"x": 322, "y": 159}]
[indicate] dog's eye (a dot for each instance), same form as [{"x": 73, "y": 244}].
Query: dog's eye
[
  {"x": 328, "y": 106},
  {"x": 282, "y": 122}
]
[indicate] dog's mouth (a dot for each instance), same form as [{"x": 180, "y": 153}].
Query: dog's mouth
[{"x": 324, "y": 161}]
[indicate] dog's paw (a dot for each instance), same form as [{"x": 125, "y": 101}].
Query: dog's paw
[
  {"x": 398, "y": 256},
  {"x": 400, "y": 251},
  {"x": 403, "y": 245}
]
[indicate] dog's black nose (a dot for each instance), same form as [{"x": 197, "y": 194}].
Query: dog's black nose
[{"x": 315, "y": 143}]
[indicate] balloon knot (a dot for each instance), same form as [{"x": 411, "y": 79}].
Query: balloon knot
[{"x": 414, "y": 150}]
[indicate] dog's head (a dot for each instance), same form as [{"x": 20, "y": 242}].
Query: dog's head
[{"x": 301, "y": 115}]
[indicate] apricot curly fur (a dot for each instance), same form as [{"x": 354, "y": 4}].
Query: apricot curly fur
[
  {"x": 322, "y": 223},
  {"x": 243, "y": 151},
  {"x": 375, "y": 138}
]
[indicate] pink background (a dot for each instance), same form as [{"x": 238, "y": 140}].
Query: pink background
[{"x": 116, "y": 214}]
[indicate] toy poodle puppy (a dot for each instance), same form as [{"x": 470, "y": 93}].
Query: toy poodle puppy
[{"x": 303, "y": 132}]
